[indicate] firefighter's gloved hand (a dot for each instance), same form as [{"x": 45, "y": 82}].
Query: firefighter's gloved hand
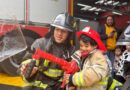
[
  {"x": 72, "y": 68},
  {"x": 23, "y": 66}
]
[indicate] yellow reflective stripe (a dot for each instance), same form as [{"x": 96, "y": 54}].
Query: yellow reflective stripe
[
  {"x": 46, "y": 62},
  {"x": 29, "y": 60},
  {"x": 40, "y": 84},
  {"x": 27, "y": 84},
  {"x": 53, "y": 72},
  {"x": 37, "y": 62},
  {"x": 43, "y": 85},
  {"x": 104, "y": 81},
  {"x": 76, "y": 80},
  {"x": 79, "y": 79},
  {"x": 118, "y": 83},
  {"x": 36, "y": 84},
  {"x": 26, "y": 61},
  {"x": 115, "y": 83}
]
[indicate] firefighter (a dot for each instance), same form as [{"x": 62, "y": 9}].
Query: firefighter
[{"x": 58, "y": 43}]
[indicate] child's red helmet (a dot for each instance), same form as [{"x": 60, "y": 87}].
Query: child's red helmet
[{"x": 88, "y": 31}]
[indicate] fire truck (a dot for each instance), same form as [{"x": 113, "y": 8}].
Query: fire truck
[{"x": 33, "y": 18}]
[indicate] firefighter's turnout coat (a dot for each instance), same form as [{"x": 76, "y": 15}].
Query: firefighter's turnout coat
[
  {"x": 94, "y": 70},
  {"x": 50, "y": 74}
]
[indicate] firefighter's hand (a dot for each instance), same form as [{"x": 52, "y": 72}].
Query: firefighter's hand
[
  {"x": 23, "y": 70},
  {"x": 23, "y": 66}
]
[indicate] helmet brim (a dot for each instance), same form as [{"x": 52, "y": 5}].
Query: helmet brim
[{"x": 61, "y": 27}]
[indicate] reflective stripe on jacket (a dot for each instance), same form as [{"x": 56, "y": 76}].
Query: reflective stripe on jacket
[
  {"x": 51, "y": 72},
  {"x": 114, "y": 84},
  {"x": 36, "y": 83}
]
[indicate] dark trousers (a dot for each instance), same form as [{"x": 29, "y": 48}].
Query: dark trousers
[{"x": 111, "y": 55}]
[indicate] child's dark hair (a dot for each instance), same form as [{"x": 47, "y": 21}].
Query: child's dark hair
[
  {"x": 87, "y": 39},
  {"x": 122, "y": 48}
]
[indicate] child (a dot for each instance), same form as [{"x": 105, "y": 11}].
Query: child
[
  {"x": 117, "y": 63},
  {"x": 93, "y": 64},
  {"x": 118, "y": 53}
]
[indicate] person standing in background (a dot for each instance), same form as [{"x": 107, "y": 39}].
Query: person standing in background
[{"x": 108, "y": 35}]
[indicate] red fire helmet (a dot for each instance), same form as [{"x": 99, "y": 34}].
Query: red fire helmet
[{"x": 88, "y": 31}]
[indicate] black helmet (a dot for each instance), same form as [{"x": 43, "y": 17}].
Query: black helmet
[{"x": 64, "y": 21}]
